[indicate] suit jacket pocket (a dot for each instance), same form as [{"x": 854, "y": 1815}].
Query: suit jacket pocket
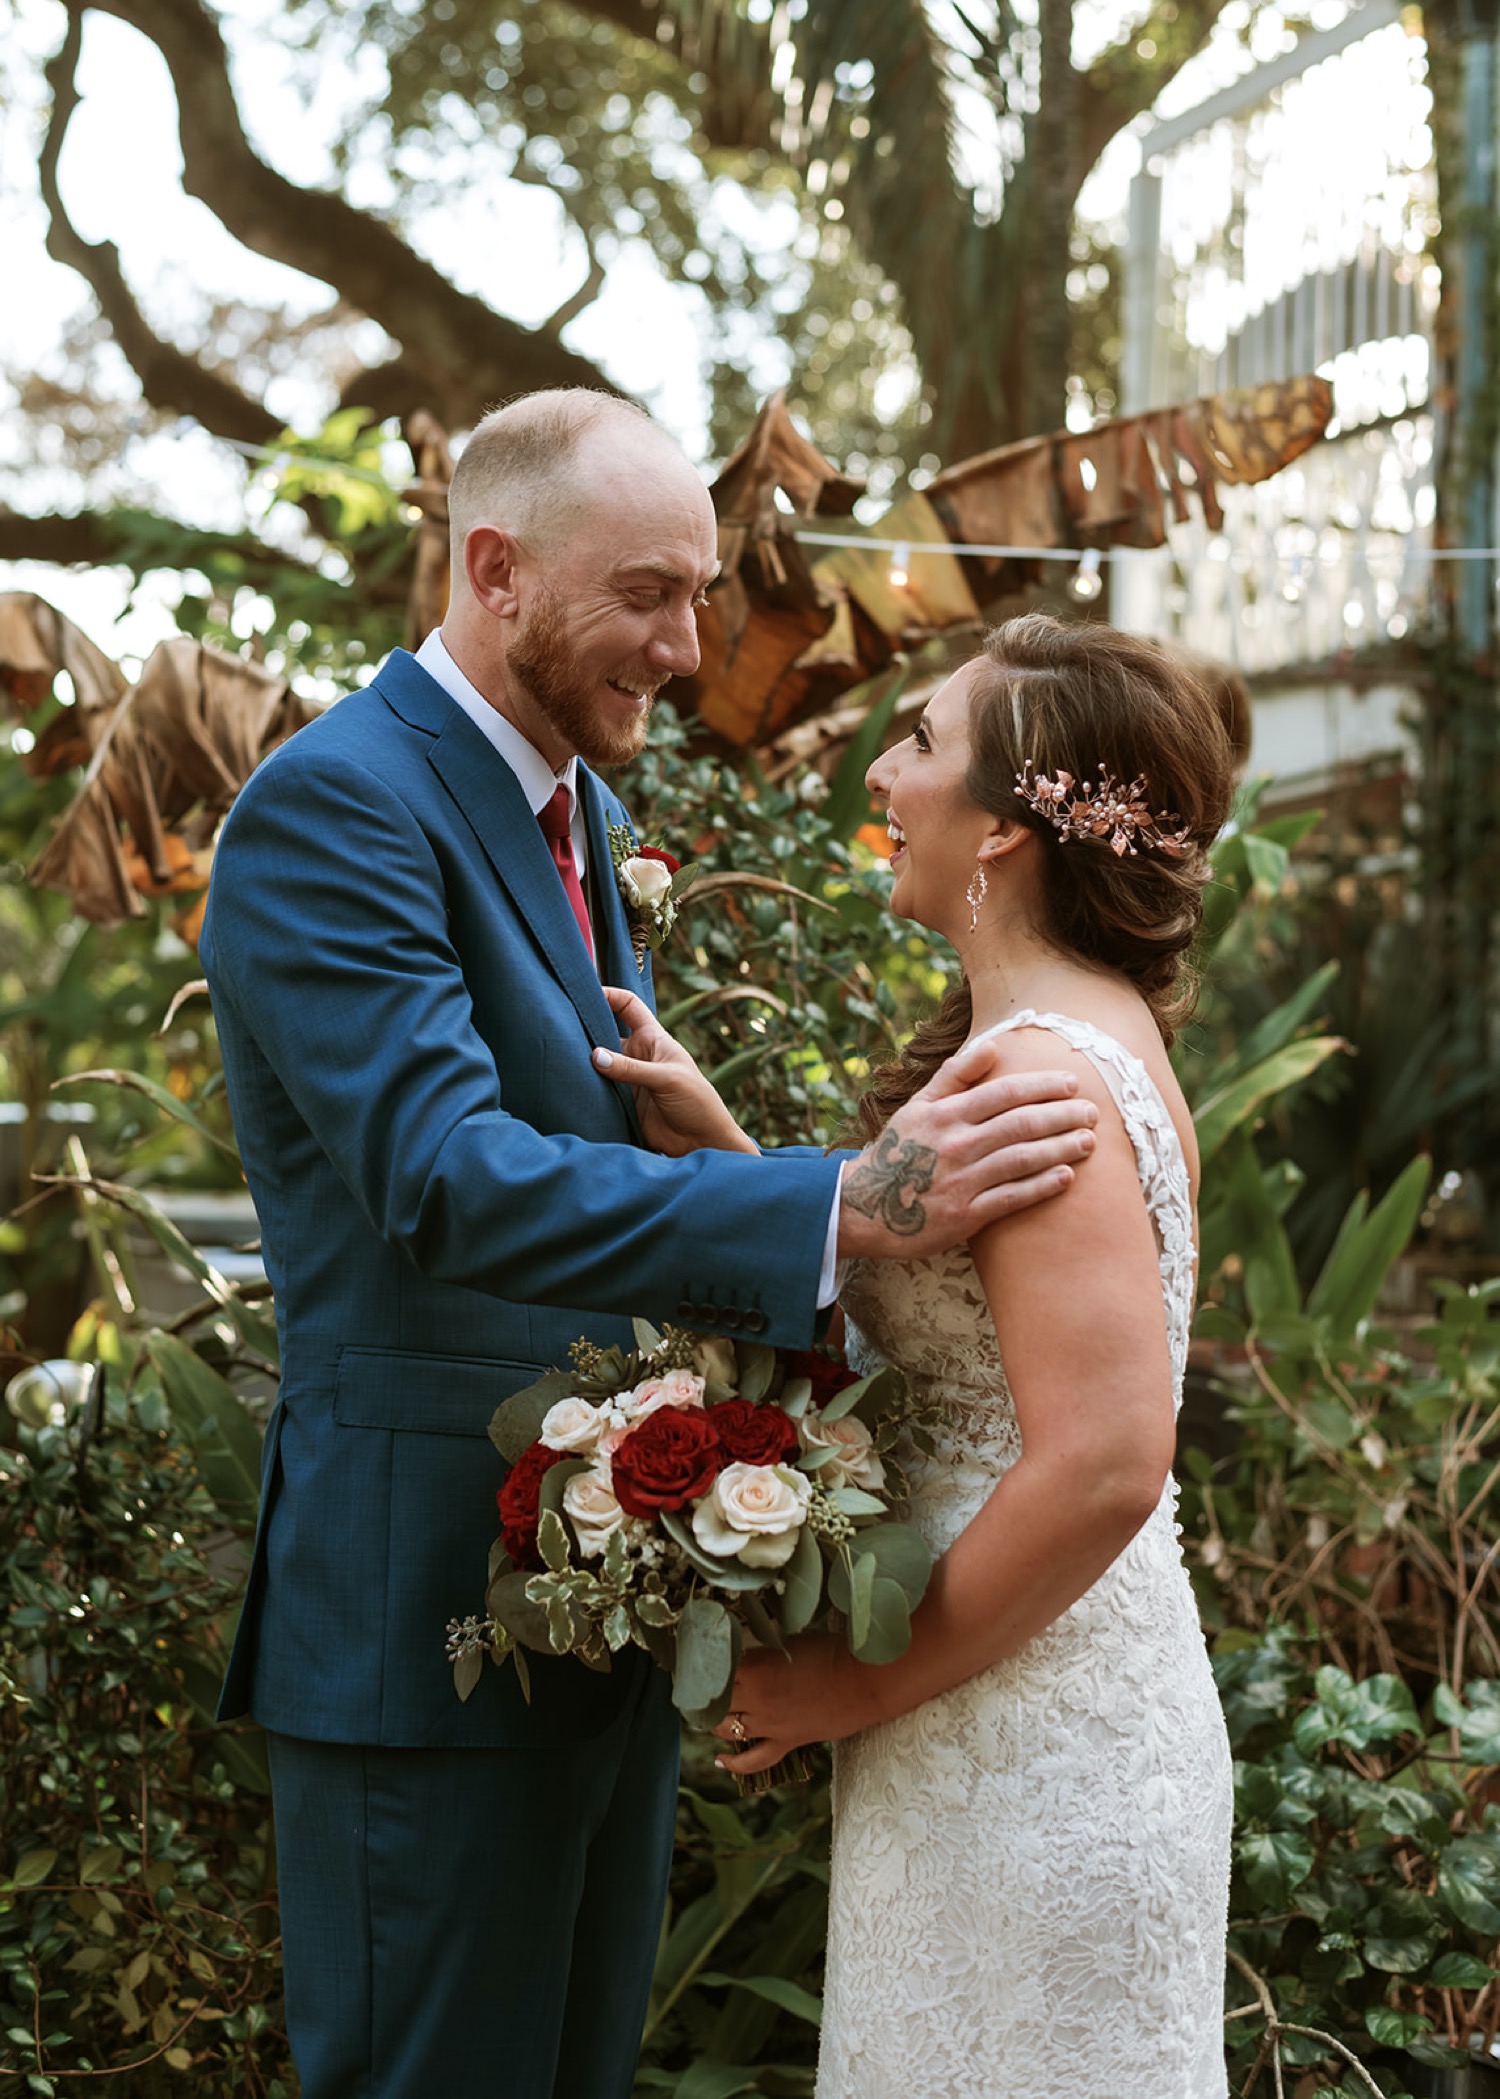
[{"x": 405, "y": 1388}]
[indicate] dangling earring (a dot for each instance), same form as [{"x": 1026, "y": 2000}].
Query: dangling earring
[{"x": 976, "y": 894}]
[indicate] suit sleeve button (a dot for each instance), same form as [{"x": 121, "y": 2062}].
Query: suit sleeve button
[
  {"x": 731, "y": 1316},
  {"x": 755, "y": 1320},
  {"x": 687, "y": 1310}
]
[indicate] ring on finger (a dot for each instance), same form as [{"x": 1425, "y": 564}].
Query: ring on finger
[{"x": 739, "y": 1734}]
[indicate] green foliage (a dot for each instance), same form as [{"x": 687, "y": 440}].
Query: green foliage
[
  {"x": 73, "y": 997},
  {"x": 1346, "y": 1549},
  {"x": 138, "y": 1934},
  {"x": 1366, "y": 1895},
  {"x": 1359, "y": 1501},
  {"x": 735, "y": 1999},
  {"x": 1352, "y": 926},
  {"x": 778, "y": 974}
]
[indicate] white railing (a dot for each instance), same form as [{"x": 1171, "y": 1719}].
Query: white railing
[{"x": 1282, "y": 227}]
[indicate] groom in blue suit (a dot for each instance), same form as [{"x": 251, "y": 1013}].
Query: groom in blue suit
[{"x": 406, "y": 973}]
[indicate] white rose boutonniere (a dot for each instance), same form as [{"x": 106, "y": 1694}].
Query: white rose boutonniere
[{"x": 651, "y": 882}]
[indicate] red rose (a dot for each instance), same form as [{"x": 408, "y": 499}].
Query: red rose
[
  {"x": 754, "y": 1433},
  {"x": 671, "y": 1458},
  {"x": 654, "y": 852},
  {"x": 519, "y": 1502},
  {"x": 827, "y": 1375}
]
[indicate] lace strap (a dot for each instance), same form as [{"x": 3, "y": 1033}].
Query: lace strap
[{"x": 1146, "y": 1116}]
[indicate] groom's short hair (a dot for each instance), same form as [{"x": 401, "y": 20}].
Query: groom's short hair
[{"x": 517, "y": 470}]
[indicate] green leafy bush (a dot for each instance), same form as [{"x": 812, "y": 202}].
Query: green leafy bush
[
  {"x": 785, "y": 973},
  {"x": 138, "y": 1932},
  {"x": 1366, "y": 1900}
]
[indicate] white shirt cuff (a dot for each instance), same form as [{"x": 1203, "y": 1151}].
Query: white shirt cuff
[{"x": 831, "y": 1274}]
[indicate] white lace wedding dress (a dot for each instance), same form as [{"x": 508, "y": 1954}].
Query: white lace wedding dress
[{"x": 1030, "y": 1872}]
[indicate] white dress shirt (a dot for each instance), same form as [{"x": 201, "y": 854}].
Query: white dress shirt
[{"x": 538, "y": 782}]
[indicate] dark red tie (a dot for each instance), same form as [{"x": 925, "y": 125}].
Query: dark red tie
[{"x": 553, "y": 818}]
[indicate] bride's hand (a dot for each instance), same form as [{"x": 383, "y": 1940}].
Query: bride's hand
[
  {"x": 678, "y": 1108},
  {"x": 814, "y": 1692}
]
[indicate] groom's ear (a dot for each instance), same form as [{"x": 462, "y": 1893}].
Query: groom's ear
[{"x": 492, "y": 562}]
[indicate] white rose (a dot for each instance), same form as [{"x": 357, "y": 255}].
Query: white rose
[
  {"x": 753, "y": 1513},
  {"x": 854, "y": 1463},
  {"x": 590, "y": 1506},
  {"x": 674, "y": 1388},
  {"x": 713, "y": 1359},
  {"x": 572, "y": 1424},
  {"x": 647, "y": 883}
]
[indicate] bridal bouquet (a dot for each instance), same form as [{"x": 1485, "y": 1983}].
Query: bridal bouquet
[{"x": 688, "y": 1492}]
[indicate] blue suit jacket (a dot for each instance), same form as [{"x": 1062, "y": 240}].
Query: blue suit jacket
[{"x": 449, "y": 1195}]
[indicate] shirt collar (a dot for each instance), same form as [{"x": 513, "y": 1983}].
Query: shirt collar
[{"x": 537, "y": 780}]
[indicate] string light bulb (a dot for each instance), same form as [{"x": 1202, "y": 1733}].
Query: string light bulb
[
  {"x": 1086, "y": 582},
  {"x": 900, "y": 571}
]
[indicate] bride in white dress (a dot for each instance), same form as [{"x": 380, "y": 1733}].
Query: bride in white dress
[{"x": 1032, "y": 1806}]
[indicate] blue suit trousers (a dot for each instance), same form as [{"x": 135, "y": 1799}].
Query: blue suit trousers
[{"x": 513, "y": 1854}]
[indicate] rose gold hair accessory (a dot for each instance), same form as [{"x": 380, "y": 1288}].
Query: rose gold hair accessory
[{"x": 1110, "y": 810}]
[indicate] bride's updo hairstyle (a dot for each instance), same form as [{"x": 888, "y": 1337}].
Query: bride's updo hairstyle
[{"x": 1081, "y": 698}]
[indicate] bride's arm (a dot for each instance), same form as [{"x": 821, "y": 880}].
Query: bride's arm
[
  {"x": 1074, "y": 1289},
  {"x": 678, "y": 1108}
]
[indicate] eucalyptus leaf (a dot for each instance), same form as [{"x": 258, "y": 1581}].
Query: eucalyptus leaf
[
  {"x": 900, "y": 1555},
  {"x": 887, "y": 1634},
  {"x": 517, "y": 1421},
  {"x": 724, "y": 1574},
  {"x": 705, "y": 1655},
  {"x": 757, "y": 1363},
  {"x": 802, "y": 1583},
  {"x": 855, "y": 1502},
  {"x": 860, "y": 1568},
  {"x": 794, "y": 1395},
  {"x": 523, "y": 1616}
]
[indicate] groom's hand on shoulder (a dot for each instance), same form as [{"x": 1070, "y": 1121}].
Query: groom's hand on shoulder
[{"x": 974, "y": 1145}]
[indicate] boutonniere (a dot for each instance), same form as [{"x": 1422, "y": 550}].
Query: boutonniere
[{"x": 651, "y": 882}]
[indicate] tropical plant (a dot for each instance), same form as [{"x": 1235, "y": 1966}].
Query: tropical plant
[{"x": 735, "y": 2000}]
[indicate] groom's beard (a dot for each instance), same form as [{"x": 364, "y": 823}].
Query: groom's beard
[{"x": 545, "y": 663}]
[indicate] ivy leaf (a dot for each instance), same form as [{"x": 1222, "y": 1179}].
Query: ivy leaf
[
  {"x": 1469, "y": 1881},
  {"x": 1477, "y": 1719},
  {"x": 1273, "y": 1862},
  {"x": 1392, "y": 2029},
  {"x": 1460, "y": 1971}
]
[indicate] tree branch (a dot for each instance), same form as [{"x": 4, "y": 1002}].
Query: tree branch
[
  {"x": 460, "y": 352},
  {"x": 124, "y": 538},
  {"x": 169, "y": 377}
]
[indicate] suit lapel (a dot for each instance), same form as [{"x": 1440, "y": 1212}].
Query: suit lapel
[
  {"x": 617, "y": 964},
  {"x": 488, "y": 793}
]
